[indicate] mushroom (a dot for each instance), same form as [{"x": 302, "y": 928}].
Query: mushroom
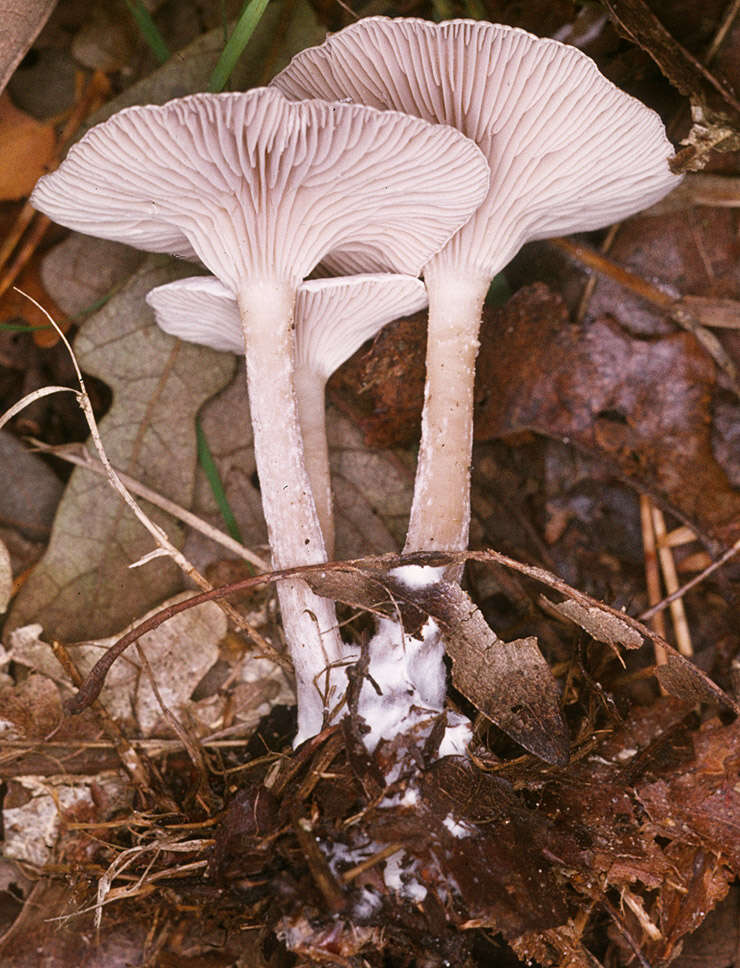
[
  {"x": 568, "y": 152},
  {"x": 333, "y": 318},
  {"x": 259, "y": 189}
]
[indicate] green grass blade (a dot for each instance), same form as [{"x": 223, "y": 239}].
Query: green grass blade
[
  {"x": 149, "y": 30},
  {"x": 245, "y": 26},
  {"x": 206, "y": 461},
  {"x": 22, "y": 327}
]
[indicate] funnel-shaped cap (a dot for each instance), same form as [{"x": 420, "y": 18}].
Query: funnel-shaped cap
[
  {"x": 256, "y": 186},
  {"x": 568, "y": 150}
]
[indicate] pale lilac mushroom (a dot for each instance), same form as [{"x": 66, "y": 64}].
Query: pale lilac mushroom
[
  {"x": 260, "y": 189},
  {"x": 568, "y": 152},
  {"x": 333, "y": 318}
]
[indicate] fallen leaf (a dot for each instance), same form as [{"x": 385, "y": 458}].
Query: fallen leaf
[
  {"x": 179, "y": 653},
  {"x": 82, "y": 270},
  {"x": 644, "y": 406},
  {"x": 83, "y": 587},
  {"x": 703, "y": 799},
  {"x": 35, "y": 808},
  {"x": 27, "y": 147},
  {"x": 30, "y": 710},
  {"x": 22, "y": 21},
  {"x": 681, "y": 678},
  {"x": 31, "y": 490},
  {"x": 602, "y": 626},
  {"x": 509, "y": 682}
]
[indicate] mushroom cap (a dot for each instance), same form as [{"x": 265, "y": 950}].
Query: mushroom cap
[
  {"x": 568, "y": 150},
  {"x": 255, "y": 186},
  {"x": 333, "y": 317}
]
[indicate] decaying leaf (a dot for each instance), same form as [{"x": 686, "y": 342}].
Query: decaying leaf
[
  {"x": 35, "y": 808},
  {"x": 83, "y": 586},
  {"x": 642, "y": 405},
  {"x": 82, "y": 270},
  {"x": 703, "y": 799},
  {"x": 509, "y": 682},
  {"x": 681, "y": 678},
  {"x": 22, "y": 21},
  {"x": 30, "y": 710},
  {"x": 179, "y": 654},
  {"x": 603, "y": 626},
  {"x": 26, "y": 149}
]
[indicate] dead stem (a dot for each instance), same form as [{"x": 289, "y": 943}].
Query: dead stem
[{"x": 652, "y": 572}]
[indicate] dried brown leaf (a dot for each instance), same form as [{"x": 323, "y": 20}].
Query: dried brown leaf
[
  {"x": 30, "y": 710},
  {"x": 83, "y": 587},
  {"x": 35, "y": 808},
  {"x": 682, "y": 679},
  {"x": 179, "y": 653},
  {"x": 603, "y": 626},
  {"x": 27, "y": 147},
  {"x": 642, "y": 405},
  {"x": 22, "y": 21},
  {"x": 638, "y": 22},
  {"x": 509, "y": 682}
]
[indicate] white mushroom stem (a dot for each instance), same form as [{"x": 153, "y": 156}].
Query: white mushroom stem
[
  {"x": 440, "y": 512},
  {"x": 310, "y": 389},
  {"x": 266, "y": 310}
]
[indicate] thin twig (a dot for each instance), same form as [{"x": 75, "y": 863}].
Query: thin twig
[
  {"x": 668, "y": 567},
  {"x": 94, "y": 94},
  {"x": 652, "y": 573},
  {"x": 96, "y": 678},
  {"x": 696, "y": 580},
  {"x": 79, "y": 455},
  {"x": 136, "y": 768}
]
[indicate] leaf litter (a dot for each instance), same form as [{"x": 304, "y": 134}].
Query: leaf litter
[{"x": 615, "y": 856}]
